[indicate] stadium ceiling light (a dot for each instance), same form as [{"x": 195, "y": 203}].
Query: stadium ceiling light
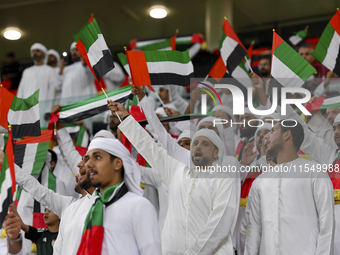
[
  {"x": 12, "y": 33},
  {"x": 158, "y": 12}
]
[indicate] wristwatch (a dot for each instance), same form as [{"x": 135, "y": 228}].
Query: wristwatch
[{"x": 15, "y": 240}]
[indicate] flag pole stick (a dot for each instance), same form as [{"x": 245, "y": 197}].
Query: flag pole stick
[
  {"x": 206, "y": 77},
  {"x": 247, "y": 60},
  {"x": 160, "y": 99},
  {"x": 108, "y": 99}
]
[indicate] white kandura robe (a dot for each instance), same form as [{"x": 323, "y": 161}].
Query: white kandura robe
[
  {"x": 291, "y": 213},
  {"x": 41, "y": 77},
  {"x": 130, "y": 227},
  {"x": 201, "y": 210},
  {"x": 78, "y": 81}
]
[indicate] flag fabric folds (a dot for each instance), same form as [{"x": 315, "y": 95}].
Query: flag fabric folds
[
  {"x": 92, "y": 106},
  {"x": 288, "y": 67},
  {"x": 93, "y": 48},
  {"x": 7, "y": 179},
  {"x": 324, "y": 102},
  {"x": 30, "y": 152},
  {"x": 160, "y": 67},
  {"x": 327, "y": 49},
  {"x": 21, "y": 113},
  {"x": 231, "y": 48}
]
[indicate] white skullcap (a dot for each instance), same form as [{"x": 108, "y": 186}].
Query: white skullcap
[
  {"x": 54, "y": 53},
  {"x": 160, "y": 111},
  {"x": 104, "y": 133},
  {"x": 38, "y": 46},
  {"x": 214, "y": 138},
  {"x": 331, "y": 108},
  {"x": 72, "y": 46},
  {"x": 163, "y": 87},
  {"x": 265, "y": 126},
  {"x": 337, "y": 118},
  {"x": 116, "y": 148},
  {"x": 226, "y": 109},
  {"x": 211, "y": 119},
  {"x": 184, "y": 134}
]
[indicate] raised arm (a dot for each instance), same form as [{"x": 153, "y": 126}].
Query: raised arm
[
  {"x": 56, "y": 202},
  {"x": 165, "y": 166},
  {"x": 169, "y": 143}
]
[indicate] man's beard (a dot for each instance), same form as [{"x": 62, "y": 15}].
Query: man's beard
[
  {"x": 50, "y": 63},
  {"x": 86, "y": 184},
  {"x": 275, "y": 149},
  {"x": 264, "y": 73},
  {"x": 75, "y": 58},
  {"x": 248, "y": 132},
  {"x": 203, "y": 162},
  {"x": 37, "y": 58},
  {"x": 114, "y": 128}
]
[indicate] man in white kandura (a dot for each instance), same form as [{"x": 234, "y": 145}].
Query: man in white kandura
[
  {"x": 292, "y": 208},
  {"x": 201, "y": 210}
]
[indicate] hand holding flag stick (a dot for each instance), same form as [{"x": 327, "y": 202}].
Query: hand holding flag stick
[
  {"x": 111, "y": 101},
  {"x": 118, "y": 108}
]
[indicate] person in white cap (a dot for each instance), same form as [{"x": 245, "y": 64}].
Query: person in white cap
[
  {"x": 133, "y": 229},
  {"x": 39, "y": 76},
  {"x": 201, "y": 210},
  {"x": 77, "y": 79},
  {"x": 292, "y": 212},
  {"x": 53, "y": 58}
]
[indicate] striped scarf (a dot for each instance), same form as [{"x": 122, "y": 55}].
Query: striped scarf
[
  {"x": 93, "y": 233},
  {"x": 334, "y": 174}
]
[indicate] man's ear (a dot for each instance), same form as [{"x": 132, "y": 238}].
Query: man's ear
[
  {"x": 287, "y": 135},
  {"x": 215, "y": 154},
  {"x": 117, "y": 164}
]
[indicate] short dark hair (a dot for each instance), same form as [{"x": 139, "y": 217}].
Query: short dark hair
[
  {"x": 268, "y": 57},
  {"x": 296, "y": 131},
  {"x": 53, "y": 156},
  {"x": 306, "y": 46},
  {"x": 112, "y": 157}
]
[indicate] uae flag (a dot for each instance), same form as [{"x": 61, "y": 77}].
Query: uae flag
[
  {"x": 288, "y": 69},
  {"x": 324, "y": 102},
  {"x": 124, "y": 61},
  {"x": 93, "y": 48},
  {"x": 240, "y": 73},
  {"x": 160, "y": 67},
  {"x": 231, "y": 48},
  {"x": 92, "y": 106},
  {"x": 159, "y": 44},
  {"x": 298, "y": 36},
  {"x": 21, "y": 113},
  {"x": 7, "y": 180},
  {"x": 327, "y": 49},
  {"x": 30, "y": 152}
]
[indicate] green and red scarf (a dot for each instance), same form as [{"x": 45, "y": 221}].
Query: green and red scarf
[
  {"x": 93, "y": 233},
  {"x": 334, "y": 174}
]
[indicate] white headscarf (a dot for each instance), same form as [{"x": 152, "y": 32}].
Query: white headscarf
[
  {"x": 104, "y": 133},
  {"x": 265, "y": 126},
  {"x": 160, "y": 111},
  {"x": 337, "y": 118},
  {"x": 116, "y": 148},
  {"x": 211, "y": 119},
  {"x": 54, "y": 53},
  {"x": 184, "y": 134},
  {"x": 38, "y": 46},
  {"x": 72, "y": 46},
  {"x": 274, "y": 116},
  {"x": 246, "y": 110},
  {"x": 215, "y": 139},
  {"x": 226, "y": 109}
]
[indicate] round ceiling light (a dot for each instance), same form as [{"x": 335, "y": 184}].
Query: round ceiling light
[
  {"x": 12, "y": 33},
  {"x": 158, "y": 12}
]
